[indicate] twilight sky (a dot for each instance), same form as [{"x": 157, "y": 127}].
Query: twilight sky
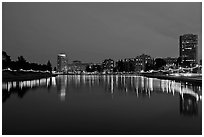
[{"x": 92, "y": 32}]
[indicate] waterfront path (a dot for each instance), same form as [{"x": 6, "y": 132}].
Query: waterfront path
[{"x": 191, "y": 79}]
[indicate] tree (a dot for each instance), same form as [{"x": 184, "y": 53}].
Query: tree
[
  {"x": 49, "y": 66},
  {"x": 186, "y": 63},
  {"x": 89, "y": 68},
  {"x": 149, "y": 66},
  {"x": 21, "y": 59},
  {"x": 178, "y": 62},
  {"x": 6, "y": 60},
  {"x": 131, "y": 66},
  {"x": 159, "y": 63},
  {"x": 21, "y": 62}
]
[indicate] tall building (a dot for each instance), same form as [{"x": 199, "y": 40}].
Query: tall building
[
  {"x": 62, "y": 63},
  {"x": 188, "y": 44}
]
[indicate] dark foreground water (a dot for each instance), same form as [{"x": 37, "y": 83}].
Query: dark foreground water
[{"x": 101, "y": 105}]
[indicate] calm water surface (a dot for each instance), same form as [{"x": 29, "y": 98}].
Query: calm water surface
[{"x": 92, "y": 104}]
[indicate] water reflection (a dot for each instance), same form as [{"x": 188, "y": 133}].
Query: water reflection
[
  {"x": 141, "y": 86},
  {"x": 61, "y": 86},
  {"x": 188, "y": 105},
  {"x": 21, "y": 87},
  {"x": 117, "y": 85}
]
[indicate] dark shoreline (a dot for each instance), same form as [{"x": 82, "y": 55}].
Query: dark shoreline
[{"x": 23, "y": 76}]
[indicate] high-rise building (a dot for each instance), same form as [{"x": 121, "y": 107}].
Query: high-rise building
[
  {"x": 188, "y": 44},
  {"x": 62, "y": 63}
]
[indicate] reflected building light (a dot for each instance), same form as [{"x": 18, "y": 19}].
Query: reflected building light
[
  {"x": 98, "y": 81},
  {"x": 172, "y": 87},
  {"x": 162, "y": 86},
  {"x": 169, "y": 86},
  {"x": 151, "y": 84},
  {"x": 78, "y": 79},
  {"x": 24, "y": 83},
  {"x": 137, "y": 82},
  {"x": 188, "y": 105},
  {"x": 124, "y": 81},
  {"x": 136, "y": 89},
  {"x": 191, "y": 92},
  {"x": 199, "y": 87},
  {"x": 112, "y": 85},
  {"x": 116, "y": 79},
  {"x": 21, "y": 85},
  {"x": 131, "y": 83},
  {"x": 14, "y": 84},
  {"x": 42, "y": 81},
  {"x": 146, "y": 84},
  {"x": 48, "y": 82},
  {"x": 104, "y": 78},
  {"x": 149, "y": 93},
  {"x": 31, "y": 84},
  {"x": 142, "y": 82},
  {"x": 36, "y": 82},
  {"x": 39, "y": 82},
  {"x": 4, "y": 86},
  {"x": 62, "y": 94},
  {"x": 108, "y": 79},
  {"x": 89, "y": 83},
  {"x": 83, "y": 79},
  {"x": 92, "y": 80},
  {"x": 9, "y": 86}
]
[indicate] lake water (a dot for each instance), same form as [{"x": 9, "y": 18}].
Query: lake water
[{"x": 93, "y": 104}]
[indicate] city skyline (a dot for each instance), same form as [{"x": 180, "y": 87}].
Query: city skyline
[{"x": 92, "y": 32}]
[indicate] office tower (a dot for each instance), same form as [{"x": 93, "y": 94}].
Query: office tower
[
  {"x": 62, "y": 63},
  {"x": 188, "y": 45}
]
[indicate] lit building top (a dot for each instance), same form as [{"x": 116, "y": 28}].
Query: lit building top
[{"x": 62, "y": 55}]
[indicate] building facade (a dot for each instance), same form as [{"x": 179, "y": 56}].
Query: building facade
[
  {"x": 108, "y": 65},
  {"x": 126, "y": 65},
  {"x": 141, "y": 61},
  {"x": 62, "y": 63},
  {"x": 170, "y": 61},
  {"x": 188, "y": 44},
  {"x": 77, "y": 67}
]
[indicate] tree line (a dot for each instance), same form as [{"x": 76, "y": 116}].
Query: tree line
[{"x": 22, "y": 63}]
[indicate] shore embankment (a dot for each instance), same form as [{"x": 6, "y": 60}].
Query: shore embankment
[
  {"x": 21, "y": 76},
  {"x": 196, "y": 79}
]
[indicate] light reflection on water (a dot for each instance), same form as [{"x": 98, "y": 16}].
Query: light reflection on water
[
  {"x": 124, "y": 88},
  {"x": 137, "y": 84}
]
